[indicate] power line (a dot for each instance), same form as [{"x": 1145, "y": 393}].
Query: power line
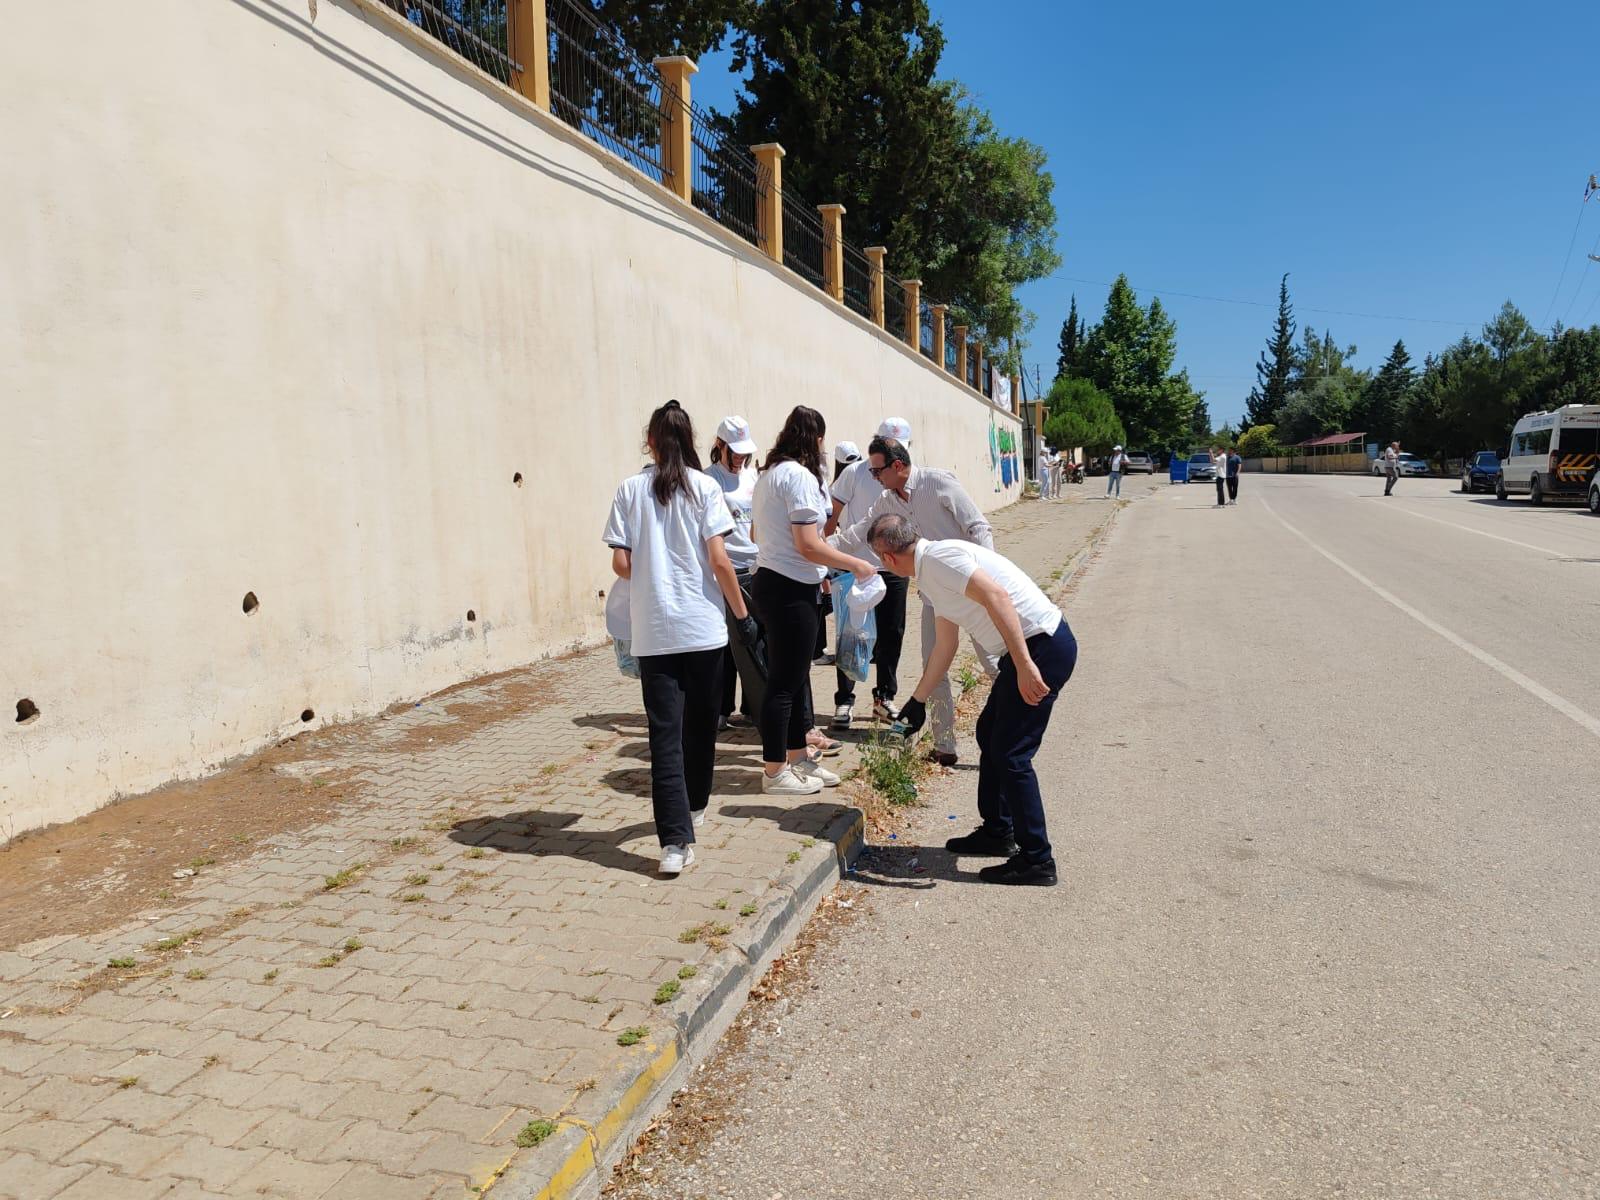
[
  {"x": 1566, "y": 261},
  {"x": 1578, "y": 291},
  {"x": 1336, "y": 312}
]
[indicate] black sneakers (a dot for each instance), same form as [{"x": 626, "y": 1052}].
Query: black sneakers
[
  {"x": 981, "y": 844},
  {"x": 1016, "y": 870}
]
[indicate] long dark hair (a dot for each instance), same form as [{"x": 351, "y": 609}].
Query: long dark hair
[
  {"x": 800, "y": 441},
  {"x": 670, "y": 437}
]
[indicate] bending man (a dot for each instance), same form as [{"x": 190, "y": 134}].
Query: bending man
[
  {"x": 937, "y": 507},
  {"x": 975, "y": 589}
]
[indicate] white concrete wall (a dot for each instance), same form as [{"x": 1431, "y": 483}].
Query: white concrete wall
[{"x": 284, "y": 305}]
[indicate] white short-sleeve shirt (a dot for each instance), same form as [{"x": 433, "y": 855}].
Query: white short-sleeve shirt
[
  {"x": 945, "y": 568},
  {"x": 788, "y": 495},
  {"x": 738, "y": 492},
  {"x": 675, "y": 604},
  {"x": 858, "y": 491}
]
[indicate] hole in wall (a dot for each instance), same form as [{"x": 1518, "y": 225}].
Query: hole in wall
[
  {"x": 517, "y": 479},
  {"x": 308, "y": 716},
  {"x": 601, "y": 593},
  {"x": 27, "y": 712},
  {"x": 472, "y": 614},
  {"x": 250, "y": 604}
]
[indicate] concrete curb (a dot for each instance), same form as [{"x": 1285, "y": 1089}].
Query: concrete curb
[{"x": 574, "y": 1162}]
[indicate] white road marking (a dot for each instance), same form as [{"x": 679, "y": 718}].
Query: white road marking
[
  {"x": 1469, "y": 529},
  {"x": 1534, "y": 688}
]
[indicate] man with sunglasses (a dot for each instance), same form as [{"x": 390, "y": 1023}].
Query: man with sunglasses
[
  {"x": 855, "y": 490},
  {"x": 939, "y": 510}
]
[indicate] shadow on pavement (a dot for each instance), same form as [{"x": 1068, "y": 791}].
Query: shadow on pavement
[{"x": 544, "y": 834}]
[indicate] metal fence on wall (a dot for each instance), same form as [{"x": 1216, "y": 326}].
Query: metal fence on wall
[
  {"x": 802, "y": 239},
  {"x": 729, "y": 183},
  {"x": 857, "y": 281},
  {"x": 894, "y": 306},
  {"x": 602, "y": 88},
  {"x": 474, "y": 29}
]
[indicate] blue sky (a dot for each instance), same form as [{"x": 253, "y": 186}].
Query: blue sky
[{"x": 1402, "y": 160}]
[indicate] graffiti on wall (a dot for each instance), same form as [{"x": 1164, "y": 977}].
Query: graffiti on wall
[{"x": 1003, "y": 456}]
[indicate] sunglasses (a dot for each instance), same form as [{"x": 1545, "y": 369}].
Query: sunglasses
[{"x": 875, "y": 472}]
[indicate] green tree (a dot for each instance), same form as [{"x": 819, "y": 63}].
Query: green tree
[
  {"x": 657, "y": 27},
  {"x": 1259, "y": 441},
  {"x": 1200, "y": 420},
  {"x": 1321, "y": 409},
  {"x": 1071, "y": 338},
  {"x": 1080, "y": 414},
  {"x": 849, "y": 88},
  {"x": 1377, "y": 411},
  {"x": 1275, "y": 365},
  {"x": 1129, "y": 357}
]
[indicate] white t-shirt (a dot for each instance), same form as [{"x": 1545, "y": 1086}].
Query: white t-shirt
[
  {"x": 945, "y": 568},
  {"x": 676, "y": 605},
  {"x": 859, "y": 491},
  {"x": 1118, "y": 461},
  {"x": 739, "y": 493},
  {"x": 788, "y": 495}
]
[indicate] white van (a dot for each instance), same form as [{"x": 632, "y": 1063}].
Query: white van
[{"x": 1552, "y": 454}]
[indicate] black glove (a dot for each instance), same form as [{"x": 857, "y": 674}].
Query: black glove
[
  {"x": 746, "y": 629},
  {"x": 913, "y": 716}
]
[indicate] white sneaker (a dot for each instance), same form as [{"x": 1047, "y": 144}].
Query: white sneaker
[
  {"x": 698, "y": 816},
  {"x": 790, "y": 782},
  {"x": 842, "y": 716},
  {"x": 675, "y": 858},
  {"x": 811, "y": 769},
  {"x": 884, "y": 710}
]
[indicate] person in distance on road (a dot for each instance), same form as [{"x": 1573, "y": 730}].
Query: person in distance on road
[
  {"x": 1119, "y": 460},
  {"x": 972, "y": 587},
  {"x": 1219, "y": 467},
  {"x": 1235, "y": 465},
  {"x": 1391, "y": 467}
]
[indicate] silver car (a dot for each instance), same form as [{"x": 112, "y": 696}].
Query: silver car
[{"x": 1201, "y": 467}]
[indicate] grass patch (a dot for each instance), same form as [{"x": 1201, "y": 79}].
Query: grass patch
[
  {"x": 418, "y": 878},
  {"x": 476, "y": 852},
  {"x": 549, "y": 769},
  {"x": 747, "y": 909},
  {"x": 270, "y": 975},
  {"x": 404, "y": 843},
  {"x": 332, "y": 883},
  {"x": 720, "y": 904},
  {"x": 126, "y": 1082},
  {"x": 328, "y": 960},
  {"x": 121, "y": 964},
  {"x": 591, "y": 998},
  {"x": 808, "y": 843},
  {"x": 891, "y": 770},
  {"x": 632, "y": 1035},
  {"x": 667, "y": 992},
  {"x": 163, "y": 894},
  {"x": 412, "y": 897},
  {"x": 211, "y": 1060},
  {"x": 197, "y": 863},
  {"x": 688, "y": 972},
  {"x": 535, "y": 1132},
  {"x": 173, "y": 941},
  {"x": 351, "y": 945},
  {"x": 794, "y": 856},
  {"x": 967, "y": 678},
  {"x": 194, "y": 974}
]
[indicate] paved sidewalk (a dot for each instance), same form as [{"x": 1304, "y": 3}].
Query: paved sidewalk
[{"x": 378, "y": 1005}]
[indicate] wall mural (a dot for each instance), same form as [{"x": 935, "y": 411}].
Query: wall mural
[{"x": 1003, "y": 456}]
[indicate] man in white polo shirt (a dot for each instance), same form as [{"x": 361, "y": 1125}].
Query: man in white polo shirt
[{"x": 971, "y": 587}]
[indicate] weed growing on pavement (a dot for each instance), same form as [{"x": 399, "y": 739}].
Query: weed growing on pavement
[
  {"x": 720, "y": 904},
  {"x": 412, "y": 897},
  {"x": 351, "y": 945},
  {"x": 126, "y": 1082},
  {"x": 688, "y": 937},
  {"x": 891, "y": 769},
  {"x": 328, "y": 960},
  {"x": 748, "y": 909},
  {"x": 332, "y": 883},
  {"x": 475, "y": 852},
  {"x": 121, "y": 964},
  {"x": 163, "y": 894},
  {"x": 687, "y": 972},
  {"x": 535, "y": 1132},
  {"x": 173, "y": 941},
  {"x": 808, "y": 843},
  {"x": 588, "y": 1085},
  {"x": 794, "y": 856},
  {"x": 591, "y": 998},
  {"x": 632, "y": 1035},
  {"x": 418, "y": 878},
  {"x": 549, "y": 769},
  {"x": 967, "y": 678},
  {"x": 462, "y": 1007},
  {"x": 211, "y": 1060},
  {"x": 194, "y": 974},
  {"x": 403, "y": 843},
  {"x": 668, "y": 992},
  {"x": 270, "y": 975},
  {"x": 197, "y": 863}
]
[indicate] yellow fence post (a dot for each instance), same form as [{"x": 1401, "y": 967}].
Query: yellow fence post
[
  {"x": 1016, "y": 396},
  {"x": 939, "y": 311},
  {"x": 961, "y": 353},
  {"x": 977, "y": 350},
  {"x": 769, "y": 208},
  {"x": 875, "y": 255},
  {"x": 913, "y": 288},
  {"x": 833, "y": 250},
  {"x": 528, "y": 42},
  {"x": 677, "y": 150}
]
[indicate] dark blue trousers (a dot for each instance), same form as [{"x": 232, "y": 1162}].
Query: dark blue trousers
[{"x": 1009, "y": 733}]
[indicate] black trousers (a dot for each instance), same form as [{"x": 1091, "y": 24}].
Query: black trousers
[
  {"x": 744, "y": 665},
  {"x": 788, "y": 611},
  {"x": 1009, "y": 733},
  {"x": 1222, "y": 487},
  {"x": 680, "y": 702},
  {"x": 1388, "y": 486},
  {"x": 1233, "y": 487},
  {"x": 891, "y": 614}
]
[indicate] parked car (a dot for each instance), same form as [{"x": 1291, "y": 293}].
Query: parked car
[
  {"x": 1409, "y": 464},
  {"x": 1137, "y": 463},
  {"x": 1201, "y": 467},
  {"x": 1594, "y": 494},
  {"x": 1482, "y": 472},
  {"x": 1552, "y": 454}
]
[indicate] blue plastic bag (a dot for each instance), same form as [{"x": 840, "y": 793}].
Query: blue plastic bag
[
  {"x": 858, "y": 631},
  {"x": 626, "y": 662}
]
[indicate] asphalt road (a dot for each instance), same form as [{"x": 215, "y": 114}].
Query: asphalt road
[{"x": 1323, "y": 794}]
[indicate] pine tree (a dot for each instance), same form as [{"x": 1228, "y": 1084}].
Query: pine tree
[
  {"x": 1275, "y": 365},
  {"x": 1200, "y": 421},
  {"x": 1071, "y": 338},
  {"x": 1379, "y": 410}
]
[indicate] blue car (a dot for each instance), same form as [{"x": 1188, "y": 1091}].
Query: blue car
[{"x": 1481, "y": 473}]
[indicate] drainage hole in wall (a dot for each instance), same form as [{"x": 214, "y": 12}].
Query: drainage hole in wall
[
  {"x": 308, "y": 716},
  {"x": 517, "y": 479},
  {"x": 27, "y": 711},
  {"x": 472, "y": 614},
  {"x": 250, "y": 603}
]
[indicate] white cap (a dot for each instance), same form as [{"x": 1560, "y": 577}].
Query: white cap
[
  {"x": 846, "y": 452},
  {"x": 1116, "y": 447},
  {"x": 735, "y": 434},
  {"x": 897, "y": 428}
]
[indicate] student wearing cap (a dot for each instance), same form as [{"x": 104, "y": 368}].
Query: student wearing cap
[
  {"x": 938, "y": 508},
  {"x": 666, "y": 532},
  {"x": 733, "y": 467},
  {"x": 1119, "y": 460},
  {"x": 855, "y": 490},
  {"x": 791, "y": 507},
  {"x": 971, "y": 587}
]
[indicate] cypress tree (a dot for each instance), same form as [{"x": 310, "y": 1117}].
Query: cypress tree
[
  {"x": 1276, "y": 365},
  {"x": 1067, "y": 346}
]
